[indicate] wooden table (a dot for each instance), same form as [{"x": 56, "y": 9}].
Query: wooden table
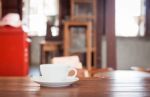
[{"x": 116, "y": 84}]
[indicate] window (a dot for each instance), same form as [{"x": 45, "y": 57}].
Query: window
[
  {"x": 130, "y": 18},
  {"x": 36, "y": 13}
]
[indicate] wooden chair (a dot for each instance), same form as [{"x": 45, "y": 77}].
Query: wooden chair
[
  {"x": 73, "y": 61},
  {"x": 49, "y": 47},
  {"x": 72, "y": 44},
  {"x": 136, "y": 68}
]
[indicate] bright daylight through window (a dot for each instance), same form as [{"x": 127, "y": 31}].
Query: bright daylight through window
[
  {"x": 130, "y": 18},
  {"x": 35, "y": 16}
]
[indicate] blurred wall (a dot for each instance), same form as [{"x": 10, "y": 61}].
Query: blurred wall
[
  {"x": 130, "y": 52},
  {"x": 35, "y": 50},
  {"x": 133, "y": 52}
]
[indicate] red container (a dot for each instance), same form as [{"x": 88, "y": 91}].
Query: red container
[{"x": 13, "y": 52}]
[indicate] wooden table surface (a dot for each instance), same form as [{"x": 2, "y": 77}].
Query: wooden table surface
[{"x": 114, "y": 84}]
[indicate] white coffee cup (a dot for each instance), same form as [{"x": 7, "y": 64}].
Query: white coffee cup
[{"x": 56, "y": 72}]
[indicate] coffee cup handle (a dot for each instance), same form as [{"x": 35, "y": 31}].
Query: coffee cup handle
[{"x": 75, "y": 72}]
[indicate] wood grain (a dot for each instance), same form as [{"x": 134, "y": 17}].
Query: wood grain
[{"x": 118, "y": 84}]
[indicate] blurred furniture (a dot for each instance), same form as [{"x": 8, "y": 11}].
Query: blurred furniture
[
  {"x": 53, "y": 30},
  {"x": 72, "y": 61},
  {"x": 85, "y": 11},
  {"x": 77, "y": 40},
  {"x": 49, "y": 48},
  {"x": 136, "y": 68},
  {"x": 94, "y": 71},
  {"x": 119, "y": 84},
  {"x": 103, "y": 25},
  {"x": 14, "y": 58}
]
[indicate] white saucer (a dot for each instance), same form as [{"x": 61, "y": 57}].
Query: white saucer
[{"x": 48, "y": 83}]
